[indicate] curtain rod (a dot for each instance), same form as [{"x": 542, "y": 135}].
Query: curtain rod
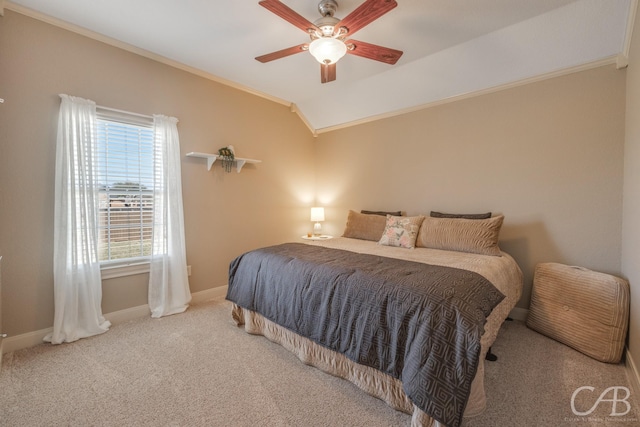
[{"x": 115, "y": 110}]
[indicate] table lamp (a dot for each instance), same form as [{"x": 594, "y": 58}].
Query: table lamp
[{"x": 317, "y": 215}]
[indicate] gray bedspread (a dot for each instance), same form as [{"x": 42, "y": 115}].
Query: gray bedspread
[{"x": 417, "y": 322}]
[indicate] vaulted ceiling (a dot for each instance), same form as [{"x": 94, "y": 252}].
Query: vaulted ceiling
[{"x": 452, "y": 48}]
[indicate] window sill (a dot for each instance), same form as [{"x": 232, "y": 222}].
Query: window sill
[{"x": 111, "y": 272}]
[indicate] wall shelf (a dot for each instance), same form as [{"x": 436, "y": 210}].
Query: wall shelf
[{"x": 211, "y": 159}]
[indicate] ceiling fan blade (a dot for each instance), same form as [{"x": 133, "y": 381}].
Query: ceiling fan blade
[
  {"x": 373, "y": 51},
  {"x": 327, "y": 72},
  {"x": 284, "y": 52},
  {"x": 366, "y": 13},
  {"x": 288, "y": 14}
]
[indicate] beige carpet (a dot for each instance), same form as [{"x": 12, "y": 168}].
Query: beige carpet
[{"x": 199, "y": 369}]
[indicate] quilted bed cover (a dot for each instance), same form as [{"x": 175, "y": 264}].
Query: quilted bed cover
[{"x": 420, "y": 320}]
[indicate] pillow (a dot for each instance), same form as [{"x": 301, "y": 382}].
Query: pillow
[
  {"x": 364, "y": 227},
  {"x": 478, "y": 236},
  {"x": 395, "y": 213},
  {"x": 465, "y": 216},
  {"x": 401, "y": 231}
]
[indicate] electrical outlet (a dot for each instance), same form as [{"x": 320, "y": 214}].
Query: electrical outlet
[{"x": 188, "y": 270}]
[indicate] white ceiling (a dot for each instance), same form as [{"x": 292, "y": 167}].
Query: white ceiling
[{"x": 451, "y": 47}]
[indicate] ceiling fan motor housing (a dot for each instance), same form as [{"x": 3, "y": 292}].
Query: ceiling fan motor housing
[{"x": 326, "y": 25}]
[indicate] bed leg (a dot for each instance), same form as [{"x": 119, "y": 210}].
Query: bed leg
[{"x": 490, "y": 356}]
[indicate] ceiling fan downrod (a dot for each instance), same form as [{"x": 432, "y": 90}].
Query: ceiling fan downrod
[{"x": 327, "y": 7}]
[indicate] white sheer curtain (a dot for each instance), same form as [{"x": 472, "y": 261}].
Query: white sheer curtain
[
  {"x": 168, "y": 283},
  {"x": 77, "y": 284}
]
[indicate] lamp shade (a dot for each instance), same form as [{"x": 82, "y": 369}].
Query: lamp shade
[
  {"x": 327, "y": 50},
  {"x": 317, "y": 214}
]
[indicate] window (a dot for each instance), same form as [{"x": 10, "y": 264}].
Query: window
[
  {"x": 125, "y": 161},
  {"x": 106, "y": 167}
]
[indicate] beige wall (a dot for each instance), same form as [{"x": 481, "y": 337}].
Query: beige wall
[
  {"x": 225, "y": 214},
  {"x": 631, "y": 211},
  {"x": 548, "y": 155}
]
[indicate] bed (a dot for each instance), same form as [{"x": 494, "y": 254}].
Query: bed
[{"x": 407, "y": 320}]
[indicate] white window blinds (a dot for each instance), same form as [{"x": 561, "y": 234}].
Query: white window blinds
[{"x": 125, "y": 177}]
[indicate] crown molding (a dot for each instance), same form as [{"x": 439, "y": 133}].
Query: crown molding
[
  {"x": 620, "y": 61},
  {"x": 588, "y": 66},
  {"x": 631, "y": 19},
  {"x": 294, "y": 109},
  {"x": 134, "y": 49}
]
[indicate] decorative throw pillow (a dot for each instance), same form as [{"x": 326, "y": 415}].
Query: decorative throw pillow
[
  {"x": 478, "y": 236},
  {"x": 465, "y": 216},
  {"x": 383, "y": 213},
  {"x": 401, "y": 231},
  {"x": 364, "y": 227}
]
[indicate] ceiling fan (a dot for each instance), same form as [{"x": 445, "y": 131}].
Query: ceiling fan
[{"x": 329, "y": 34}]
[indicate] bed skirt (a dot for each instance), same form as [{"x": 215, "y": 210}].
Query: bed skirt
[{"x": 368, "y": 379}]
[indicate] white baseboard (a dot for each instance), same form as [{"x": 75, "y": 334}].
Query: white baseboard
[
  {"x": 633, "y": 374},
  {"x": 121, "y": 316},
  {"x": 21, "y": 341},
  {"x": 519, "y": 314},
  {"x": 34, "y": 338},
  {"x": 208, "y": 294},
  {"x": 30, "y": 339}
]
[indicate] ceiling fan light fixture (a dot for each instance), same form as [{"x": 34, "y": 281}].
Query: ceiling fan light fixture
[{"x": 327, "y": 50}]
